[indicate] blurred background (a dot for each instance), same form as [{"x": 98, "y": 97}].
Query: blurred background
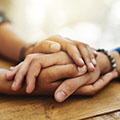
[{"x": 96, "y": 22}]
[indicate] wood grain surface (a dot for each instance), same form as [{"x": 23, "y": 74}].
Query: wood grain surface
[{"x": 75, "y": 108}]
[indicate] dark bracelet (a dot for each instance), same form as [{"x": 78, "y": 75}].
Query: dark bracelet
[
  {"x": 24, "y": 50},
  {"x": 3, "y": 18},
  {"x": 22, "y": 54},
  {"x": 111, "y": 58}
]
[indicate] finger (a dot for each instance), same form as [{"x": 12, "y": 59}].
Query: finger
[
  {"x": 73, "y": 51},
  {"x": 21, "y": 74},
  {"x": 32, "y": 75},
  {"x": 47, "y": 46},
  {"x": 98, "y": 85},
  {"x": 50, "y": 78},
  {"x": 58, "y": 72},
  {"x": 68, "y": 87},
  {"x": 85, "y": 53},
  {"x": 59, "y": 58},
  {"x": 13, "y": 70},
  {"x": 70, "y": 48},
  {"x": 92, "y": 56}
]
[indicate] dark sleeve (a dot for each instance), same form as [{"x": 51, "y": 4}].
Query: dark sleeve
[{"x": 3, "y": 18}]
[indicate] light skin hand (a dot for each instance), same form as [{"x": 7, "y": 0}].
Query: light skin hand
[
  {"x": 81, "y": 53},
  {"x": 44, "y": 46}
]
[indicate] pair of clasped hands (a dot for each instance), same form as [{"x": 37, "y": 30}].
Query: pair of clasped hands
[{"x": 62, "y": 67}]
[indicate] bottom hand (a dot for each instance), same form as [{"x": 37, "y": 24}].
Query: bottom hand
[{"x": 98, "y": 85}]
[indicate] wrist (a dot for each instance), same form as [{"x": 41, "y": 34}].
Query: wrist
[{"x": 103, "y": 63}]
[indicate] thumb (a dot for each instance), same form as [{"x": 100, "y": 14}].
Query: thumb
[{"x": 47, "y": 46}]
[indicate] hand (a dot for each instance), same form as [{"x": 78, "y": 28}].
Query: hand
[
  {"x": 81, "y": 53},
  {"x": 70, "y": 86},
  {"x": 49, "y": 79},
  {"x": 44, "y": 46},
  {"x": 98, "y": 85},
  {"x": 31, "y": 68}
]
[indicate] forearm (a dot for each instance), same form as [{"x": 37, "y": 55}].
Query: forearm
[
  {"x": 5, "y": 87},
  {"x": 10, "y": 43}
]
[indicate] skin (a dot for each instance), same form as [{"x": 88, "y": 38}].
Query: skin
[
  {"x": 81, "y": 53},
  {"x": 31, "y": 68},
  {"x": 87, "y": 84},
  {"x": 94, "y": 80},
  {"x": 53, "y": 80},
  {"x": 13, "y": 51},
  {"x": 75, "y": 49}
]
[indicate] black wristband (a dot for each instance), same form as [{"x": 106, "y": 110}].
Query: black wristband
[
  {"x": 3, "y": 18},
  {"x": 24, "y": 50},
  {"x": 111, "y": 58},
  {"x": 22, "y": 54}
]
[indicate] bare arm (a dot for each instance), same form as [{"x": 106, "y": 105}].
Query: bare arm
[{"x": 10, "y": 43}]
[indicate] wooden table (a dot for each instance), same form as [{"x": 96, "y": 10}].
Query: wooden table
[{"x": 105, "y": 104}]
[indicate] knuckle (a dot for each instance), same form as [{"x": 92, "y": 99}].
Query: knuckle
[
  {"x": 30, "y": 57},
  {"x": 35, "y": 61},
  {"x": 73, "y": 70},
  {"x": 87, "y": 46}
]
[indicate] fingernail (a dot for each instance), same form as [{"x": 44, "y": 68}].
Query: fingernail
[
  {"x": 55, "y": 46},
  {"x": 81, "y": 60},
  {"x": 60, "y": 96},
  {"x": 92, "y": 66},
  {"x": 80, "y": 69},
  {"x": 94, "y": 61},
  {"x": 14, "y": 85},
  {"x": 11, "y": 68}
]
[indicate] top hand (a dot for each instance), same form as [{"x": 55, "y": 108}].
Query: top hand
[{"x": 81, "y": 53}]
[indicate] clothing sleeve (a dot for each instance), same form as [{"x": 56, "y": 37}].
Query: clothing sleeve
[{"x": 117, "y": 49}]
